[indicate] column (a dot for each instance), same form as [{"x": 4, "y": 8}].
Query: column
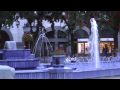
[
  {"x": 119, "y": 39},
  {"x": 69, "y": 47},
  {"x": 56, "y": 40}
]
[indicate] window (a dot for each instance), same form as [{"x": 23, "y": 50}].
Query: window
[
  {"x": 50, "y": 34},
  {"x": 61, "y": 34},
  {"x": 62, "y": 45}
]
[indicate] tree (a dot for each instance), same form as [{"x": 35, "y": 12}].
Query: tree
[
  {"x": 115, "y": 22},
  {"x": 105, "y": 18},
  {"x": 71, "y": 18},
  {"x": 6, "y": 17}
]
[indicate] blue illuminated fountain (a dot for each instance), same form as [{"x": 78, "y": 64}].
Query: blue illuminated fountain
[
  {"x": 93, "y": 68},
  {"x": 16, "y": 57},
  {"x": 94, "y": 43},
  {"x": 89, "y": 67}
]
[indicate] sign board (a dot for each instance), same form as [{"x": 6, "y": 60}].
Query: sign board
[{"x": 101, "y": 39}]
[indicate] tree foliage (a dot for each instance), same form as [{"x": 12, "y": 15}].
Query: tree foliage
[{"x": 107, "y": 19}]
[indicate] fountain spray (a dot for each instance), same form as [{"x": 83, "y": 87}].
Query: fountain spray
[{"x": 94, "y": 43}]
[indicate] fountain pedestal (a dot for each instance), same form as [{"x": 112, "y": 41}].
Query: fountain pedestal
[
  {"x": 58, "y": 61},
  {"x": 58, "y": 67},
  {"x": 19, "y": 59}
]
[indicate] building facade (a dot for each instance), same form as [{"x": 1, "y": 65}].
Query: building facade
[
  {"x": 59, "y": 38},
  {"x": 105, "y": 38}
]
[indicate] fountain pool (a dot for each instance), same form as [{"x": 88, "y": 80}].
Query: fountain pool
[
  {"x": 83, "y": 70},
  {"x": 93, "y": 68}
]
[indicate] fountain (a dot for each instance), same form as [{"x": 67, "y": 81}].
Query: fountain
[
  {"x": 80, "y": 67},
  {"x": 42, "y": 46},
  {"x": 17, "y": 29},
  {"x": 11, "y": 45},
  {"x": 12, "y": 55},
  {"x": 94, "y": 43},
  {"x": 78, "y": 70},
  {"x": 18, "y": 58}
]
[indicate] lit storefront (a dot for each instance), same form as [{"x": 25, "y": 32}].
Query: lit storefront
[
  {"x": 83, "y": 46},
  {"x": 105, "y": 35}
]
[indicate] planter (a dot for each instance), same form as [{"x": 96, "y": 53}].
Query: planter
[{"x": 58, "y": 60}]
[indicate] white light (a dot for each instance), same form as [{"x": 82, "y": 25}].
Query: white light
[
  {"x": 35, "y": 12},
  {"x": 79, "y": 48},
  {"x": 2, "y": 25},
  {"x": 101, "y": 39},
  {"x": 63, "y": 14}
]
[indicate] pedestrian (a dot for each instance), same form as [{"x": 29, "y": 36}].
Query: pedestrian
[
  {"x": 103, "y": 51},
  {"x": 106, "y": 50}
]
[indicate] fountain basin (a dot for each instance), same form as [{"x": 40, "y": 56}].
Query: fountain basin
[
  {"x": 21, "y": 64},
  {"x": 84, "y": 72},
  {"x": 19, "y": 59},
  {"x": 16, "y": 54}
]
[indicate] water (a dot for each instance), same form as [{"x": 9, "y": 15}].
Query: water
[
  {"x": 17, "y": 31},
  {"x": 11, "y": 45},
  {"x": 84, "y": 63},
  {"x": 42, "y": 45},
  {"x": 88, "y": 66},
  {"x": 94, "y": 43}
]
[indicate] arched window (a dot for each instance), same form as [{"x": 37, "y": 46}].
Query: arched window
[
  {"x": 61, "y": 34},
  {"x": 50, "y": 34},
  {"x": 3, "y": 37}
]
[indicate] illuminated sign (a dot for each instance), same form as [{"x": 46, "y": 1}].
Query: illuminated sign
[{"x": 101, "y": 39}]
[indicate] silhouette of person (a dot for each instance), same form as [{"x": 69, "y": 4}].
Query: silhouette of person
[
  {"x": 103, "y": 51},
  {"x": 106, "y": 50}
]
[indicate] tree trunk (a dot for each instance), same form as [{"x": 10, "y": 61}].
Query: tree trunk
[
  {"x": 72, "y": 44},
  {"x": 31, "y": 29},
  {"x": 37, "y": 31},
  {"x": 52, "y": 26},
  {"x": 115, "y": 36},
  {"x": 0, "y": 26}
]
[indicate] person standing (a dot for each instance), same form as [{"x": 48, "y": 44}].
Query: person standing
[
  {"x": 106, "y": 50},
  {"x": 103, "y": 51}
]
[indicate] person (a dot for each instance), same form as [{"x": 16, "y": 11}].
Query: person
[
  {"x": 86, "y": 50},
  {"x": 113, "y": 52},
  {"x": 106, "y": 50},
  {"x": 103, "y": 51}
]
